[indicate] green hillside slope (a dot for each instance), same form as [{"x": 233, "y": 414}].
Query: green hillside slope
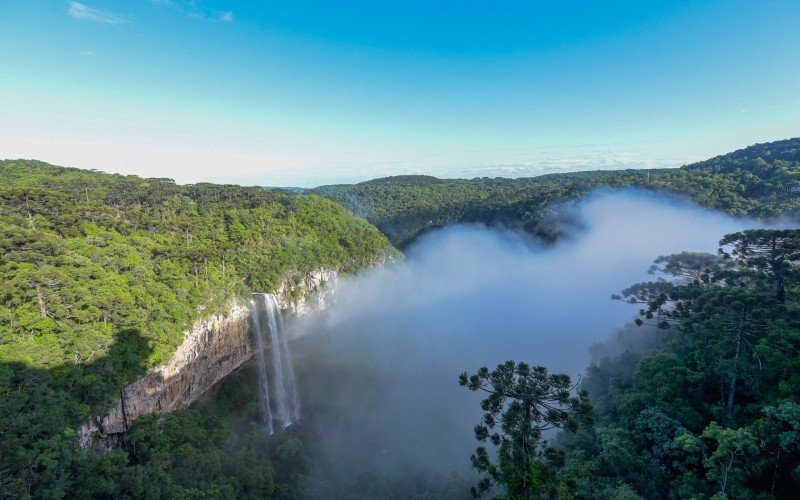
[
  {"x": 88, "y": 256},
  {"x": 760, "y": 180}
]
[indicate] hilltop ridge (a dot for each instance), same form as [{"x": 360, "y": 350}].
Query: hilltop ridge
[{"x": 761, "y": 180}]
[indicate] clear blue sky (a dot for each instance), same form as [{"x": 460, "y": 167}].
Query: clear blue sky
[{"x": 303, "y": 93}]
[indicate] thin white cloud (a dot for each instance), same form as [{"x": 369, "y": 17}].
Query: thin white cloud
[
  {"x": 86, "y": 13},
  {"x": 191, "y": 9}
]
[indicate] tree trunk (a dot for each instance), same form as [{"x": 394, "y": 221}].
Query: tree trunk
[
  {"x": 735, "y": 376},
  {"x": 40, "y": 298},
  {"x": 526, "y": 480},
  {"x": 775, "y": 470},
  {"x": 725, "y": 475}
]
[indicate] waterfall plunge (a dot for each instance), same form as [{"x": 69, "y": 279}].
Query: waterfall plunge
[{"x": 267, "y": 320}]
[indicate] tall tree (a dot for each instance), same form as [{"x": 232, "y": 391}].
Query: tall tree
[
  {"x": 719, "y": 308},
  {"x": 522, "y": 403},
  {"x": 769, "y": 252},
  {"x": 689, "y": 267}
]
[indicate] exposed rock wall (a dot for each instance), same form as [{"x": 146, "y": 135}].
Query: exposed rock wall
[
  {"x": 212, "y": 349},
  {"x": 308, "y": 293}
]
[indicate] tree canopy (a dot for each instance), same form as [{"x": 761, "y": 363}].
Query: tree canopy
[
  {"x": 712, "y": 410},
  {"x": 762, "y": 180}
]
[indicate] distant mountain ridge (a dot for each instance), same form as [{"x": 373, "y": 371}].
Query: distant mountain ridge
[
  {"x": 786, "y": 150},
  {"x": 760, "y": 180}
]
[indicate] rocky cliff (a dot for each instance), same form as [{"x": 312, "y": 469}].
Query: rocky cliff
[
  {"x": 213, "y": 348},
  {"x": 301, "y": 294}
]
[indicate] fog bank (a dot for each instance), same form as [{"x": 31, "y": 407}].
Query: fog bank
[{"x": 471, "y": 296}]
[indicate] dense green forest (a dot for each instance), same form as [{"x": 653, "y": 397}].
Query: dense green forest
[
  {"x": 760, "y": 180},
  {"x": 713, "y": 410},
  {"x": 708, "y": 410},
  {"x": 101, "y": 274}
]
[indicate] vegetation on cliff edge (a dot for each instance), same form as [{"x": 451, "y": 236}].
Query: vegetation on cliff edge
[{"x": 102, "y": 274}]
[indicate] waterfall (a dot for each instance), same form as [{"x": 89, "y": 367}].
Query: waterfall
[
  {"x": 267, "y": 318},
  {"x": 261, "y": 365}
]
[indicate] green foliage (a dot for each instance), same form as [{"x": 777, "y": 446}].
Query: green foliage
[
  {"x": 713, "y": 411},
  {"x": 84, "y": 254},
  {"x": 761, "y": 180},
  {"x": 773, "y": 254},
  {"x": 522, "y": 403},
  {"x": 726, "y": 464},
  {"x": 101, "y": 274}
]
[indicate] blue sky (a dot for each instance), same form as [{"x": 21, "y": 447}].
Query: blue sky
[{"x": 304, "y": 93}]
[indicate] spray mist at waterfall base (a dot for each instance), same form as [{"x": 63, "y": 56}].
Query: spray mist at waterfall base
[{"x": 377, "y": 372}]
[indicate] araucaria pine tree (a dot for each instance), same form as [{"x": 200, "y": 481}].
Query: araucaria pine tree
[{"x": 522, "y": 403}]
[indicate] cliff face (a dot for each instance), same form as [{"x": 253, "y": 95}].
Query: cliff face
[
  {"x": 308, "y": 293},
  {"x": 212, "y": 349}
]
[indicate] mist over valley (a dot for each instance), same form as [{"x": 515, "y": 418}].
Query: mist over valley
[
  {"x": 468, "y": 296},
  {"x": 378, "y": 250}
]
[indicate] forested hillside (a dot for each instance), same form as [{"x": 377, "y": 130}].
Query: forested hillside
[
  {"x": 102, "y": 273},
  {"x": 713, "y": 410},
  {"x": 761, "y": 180},
  {"x": 700, "y": 399}
]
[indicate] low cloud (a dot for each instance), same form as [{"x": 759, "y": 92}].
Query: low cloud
[
  {"x": 86, "y": 13},
  {"x": 379, "y": 369}
]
